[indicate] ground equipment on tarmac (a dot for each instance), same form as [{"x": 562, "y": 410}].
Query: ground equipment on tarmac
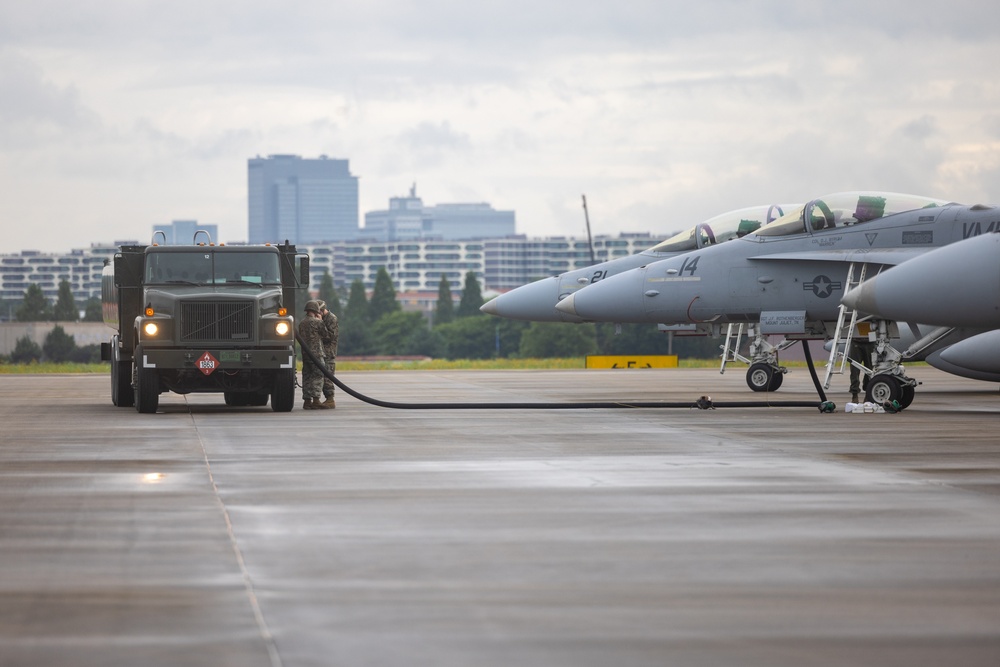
[{"x": 203, "y": 317}]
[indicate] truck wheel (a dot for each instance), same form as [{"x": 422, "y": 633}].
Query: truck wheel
[
  {"x": 257, "y": 400},
  {"x": 147, "y": 389},
  {"x": 121, "y": 379},
  {"x": 283, "y": 392},
  {"x": 237, "y": 398}
]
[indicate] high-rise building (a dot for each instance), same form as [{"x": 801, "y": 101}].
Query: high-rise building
[
  {"x": 181, "y": 232},
  {"x": 301, "y": 200},
  {"x": 408, "y": 219}
]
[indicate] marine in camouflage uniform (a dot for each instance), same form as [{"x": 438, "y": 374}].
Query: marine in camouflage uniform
[
  {"x": 330, "y": 339},
  {"x": 311, "y": 332}
]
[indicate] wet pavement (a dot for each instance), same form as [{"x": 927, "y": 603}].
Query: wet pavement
[{"x": 207, "y": 535}]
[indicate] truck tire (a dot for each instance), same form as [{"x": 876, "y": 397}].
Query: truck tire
[
  {"x": 121, "y": 378},
  {"x": 257, "y": 400},
  {"x": 283, "y": 392},
  {"x": 236, "y": 398},
  {"x": 147, "y": 388}
]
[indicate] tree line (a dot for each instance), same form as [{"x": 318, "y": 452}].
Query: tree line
[
  {"x": 379, "y": 326},
  {"x": 36, "y": 307},
  {"x": 58, "y": 346}
]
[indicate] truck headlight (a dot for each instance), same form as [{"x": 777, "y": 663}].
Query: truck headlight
[
  {"x": 150, "y": 329},
  {"x": 281, "y": 328}
]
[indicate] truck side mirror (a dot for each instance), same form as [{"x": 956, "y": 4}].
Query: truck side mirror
[
  {"x": 119, "y": 271},
  {"x": 304, "y": 271}
]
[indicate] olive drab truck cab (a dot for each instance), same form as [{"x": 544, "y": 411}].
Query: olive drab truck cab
[{"x": 203, "y": 318}]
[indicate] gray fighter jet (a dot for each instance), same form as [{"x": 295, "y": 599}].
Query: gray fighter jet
[
  {"x": 786, "y": 278},
  {"x": 536, "y": 302},
  {"x": 954, "y": 286}
]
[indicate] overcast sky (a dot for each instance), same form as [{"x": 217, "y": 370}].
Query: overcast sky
[{"x": 120, "y": 114}]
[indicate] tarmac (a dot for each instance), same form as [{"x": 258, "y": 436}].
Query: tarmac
[{"x": 208, "y": 535}]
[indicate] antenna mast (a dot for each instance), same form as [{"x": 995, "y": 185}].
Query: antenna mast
[{"x": 590, "y": 239}]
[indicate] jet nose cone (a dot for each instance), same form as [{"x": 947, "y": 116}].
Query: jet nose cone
[
  {"x": 614, "y": 299},
  {"x": 534, "y": 302},
  {"x": 861, "y": 298},
  {"x": 568, "y": 305}
]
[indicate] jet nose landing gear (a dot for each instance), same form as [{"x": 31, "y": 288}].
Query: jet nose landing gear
[
  {"x": 764, "y": 377},
  {"x": 885, "y": 388}
]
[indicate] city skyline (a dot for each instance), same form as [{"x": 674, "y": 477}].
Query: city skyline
[{"x": 116, "y": 117}]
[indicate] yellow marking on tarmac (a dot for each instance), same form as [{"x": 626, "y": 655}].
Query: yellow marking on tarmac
[{"x": 632, "y": 361}]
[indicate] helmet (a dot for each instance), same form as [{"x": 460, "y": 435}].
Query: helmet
[
  {"x": 322, "y": 304},
  {"x": 312, "y": 305}
]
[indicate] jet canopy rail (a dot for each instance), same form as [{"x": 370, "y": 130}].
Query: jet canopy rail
[
  {"x": 845, "y": 209},
  {"x": 721, "y": 228}
]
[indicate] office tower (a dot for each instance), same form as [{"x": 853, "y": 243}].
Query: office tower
[
  {"x": 407, "y": 218},
  {"x": 181, "y": 232},
  {"x": 301, "y": 200}
]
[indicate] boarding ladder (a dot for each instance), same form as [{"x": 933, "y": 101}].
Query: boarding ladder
[
  {"x": 847, "y": 320},
  {"x": 730, "y": 351}
]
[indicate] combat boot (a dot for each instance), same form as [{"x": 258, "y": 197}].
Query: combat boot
[
  {"x": 329, "y": 402},
  {"x": 308, "y": 404},
  {"x": 320, "y": 406}
]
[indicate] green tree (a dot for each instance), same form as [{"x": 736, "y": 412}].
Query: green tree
[
  {"x": 355, "y": 336},
  {"x": 328, "y": 293},
  {"x": 357, "y": 303},
  {"x": 35, "y": 307},
  {"x": 92, "y": 311},
  {"x": 65, "y": 309},
  {"x": 59, "y": 346},
  {"x": 698, "y": 347},
  {"x": 86, "y": 354},
  {"x": 544, "y": 340},
  {"x": 472, "y": 297},
  {"x": 25, "y": 351},
  {"x": 425, "y": 341},
  {"x": 469, "y": 338},
  {"x": 633, "y": 339},
  {"x": 394, "y": 333},
  {"x": 383, "y": 301},
  {"x": 444, "y": 311},
  {"x": 508, "y": 334}
]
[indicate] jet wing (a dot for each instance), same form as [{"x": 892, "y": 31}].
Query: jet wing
[{"x": 889, "y": 256}]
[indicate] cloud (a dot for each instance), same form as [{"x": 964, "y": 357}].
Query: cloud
[{"x": 137, "y": 112}]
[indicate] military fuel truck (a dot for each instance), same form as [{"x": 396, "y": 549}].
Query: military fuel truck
[{"x": 202, "y": 318}]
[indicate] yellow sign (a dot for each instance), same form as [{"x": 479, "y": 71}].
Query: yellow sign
[{"x": 636, "y": 361}]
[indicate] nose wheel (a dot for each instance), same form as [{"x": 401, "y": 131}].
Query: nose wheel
[
  {"x": 764, "y": 377},
  {"x": 882, "y": 388}
]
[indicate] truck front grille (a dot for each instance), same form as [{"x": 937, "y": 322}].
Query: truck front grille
[{"x": 223, "y": 321}]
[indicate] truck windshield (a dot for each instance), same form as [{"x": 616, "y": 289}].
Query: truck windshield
[{"x": 212, "y": 268}]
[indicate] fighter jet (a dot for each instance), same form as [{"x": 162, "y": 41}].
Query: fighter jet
[
  {"x": 535, "y": 302},
  {"x": 786, "y": 277},
  {"x": 954, "y": 286},
  {"x": 957, "y": 285}
]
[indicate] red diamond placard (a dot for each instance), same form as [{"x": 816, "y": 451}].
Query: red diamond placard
[{"x": 206, "y": 363}]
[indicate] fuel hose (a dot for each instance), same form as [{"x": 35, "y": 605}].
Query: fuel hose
[{"x": 703, "y": 402}]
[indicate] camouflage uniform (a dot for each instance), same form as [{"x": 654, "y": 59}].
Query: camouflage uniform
[
  {"x": 330, "y": 338},
  {"x": 311, "y": 331}
]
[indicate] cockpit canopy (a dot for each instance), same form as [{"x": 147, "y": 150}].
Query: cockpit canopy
[
  {"x": 845, "y": 209},
  {"x": 731, "y": 225}
]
